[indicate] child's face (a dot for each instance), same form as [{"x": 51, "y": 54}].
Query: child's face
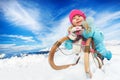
[{"x": 77, "y": 20}]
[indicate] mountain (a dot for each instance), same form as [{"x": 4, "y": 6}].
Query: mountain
[{"x": 3, "y": 56}]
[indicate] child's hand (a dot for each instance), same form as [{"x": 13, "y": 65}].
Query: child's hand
[
  {"x": 83, "y": 43},
  {"x": 72, "y": 36},
  {"x": 92, "y": 50}
]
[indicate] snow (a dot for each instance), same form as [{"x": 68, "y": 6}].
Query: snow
[{"x": 36, "y": 67}]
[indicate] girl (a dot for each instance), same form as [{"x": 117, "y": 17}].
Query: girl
[{"x": 78, "y": 20}]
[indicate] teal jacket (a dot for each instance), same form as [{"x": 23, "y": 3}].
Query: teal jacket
[{"x": 98, "y": 38}]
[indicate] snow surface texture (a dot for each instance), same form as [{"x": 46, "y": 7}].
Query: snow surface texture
[{"x": 36, "y": 67}]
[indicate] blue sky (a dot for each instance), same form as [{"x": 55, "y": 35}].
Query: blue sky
[{"x": 32, "y": 25}]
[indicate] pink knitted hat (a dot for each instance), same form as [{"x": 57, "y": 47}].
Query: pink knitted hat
[{"x": 75, "y": 12}]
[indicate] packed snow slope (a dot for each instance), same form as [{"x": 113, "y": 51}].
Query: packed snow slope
[{"x": 36, "y": 67}]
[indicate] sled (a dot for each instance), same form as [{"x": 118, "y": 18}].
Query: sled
[
  {"x": 88, "y": 44},
  {"x": 99, "y": 62}
]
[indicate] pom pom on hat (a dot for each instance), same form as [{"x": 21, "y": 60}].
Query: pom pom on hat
[{"x": 76, "y": 12}]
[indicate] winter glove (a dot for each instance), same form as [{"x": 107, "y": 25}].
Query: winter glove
[
  {"x": 92, "y": 50},
  {"x": 72, "y": 35},
  {"x": 74, "y": 32},
  {"x": 68, "y": 44}
]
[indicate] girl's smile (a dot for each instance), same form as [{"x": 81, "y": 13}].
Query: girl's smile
[{"x": 77, "y": 20}]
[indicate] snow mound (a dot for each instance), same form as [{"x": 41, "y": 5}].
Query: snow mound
[{"x": 36, "y": 67}]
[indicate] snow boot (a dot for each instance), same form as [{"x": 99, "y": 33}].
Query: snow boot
[{"x": 108, "y": 55}]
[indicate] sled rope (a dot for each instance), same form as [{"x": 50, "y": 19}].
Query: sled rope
[
  {"x": 94, "y": 59},
  {"x": 63, "y": 52},
  {"x": 71, "y": 53}
]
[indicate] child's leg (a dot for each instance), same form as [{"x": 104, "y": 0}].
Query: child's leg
[{"x": 103, "y": 51}]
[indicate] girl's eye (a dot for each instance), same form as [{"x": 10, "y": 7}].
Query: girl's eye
[{"x": 73, "y": 17}]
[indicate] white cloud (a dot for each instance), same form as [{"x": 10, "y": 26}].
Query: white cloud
[
  {"x": 58, "y": 31},
  {"x": 21, "y": 16},
  {"x": 89, "y": 12},
  {"x": 113, "y": 35},
  {"x": 8, "y": 48},
  {"x": 25, "y": 38},
  {"x": 107, "y": 23},
  {"x": 113, "y": 30},
  {"x": 24, "y": 47},
  {"x": 112, "y": 42},
  {"x": 3, "y": 46},
  {"x": 106, "y": 17}
]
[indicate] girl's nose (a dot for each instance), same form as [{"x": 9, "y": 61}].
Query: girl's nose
[{"x": 77, "y": 18}]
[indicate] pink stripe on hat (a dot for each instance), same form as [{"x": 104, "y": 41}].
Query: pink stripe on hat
[{"x": 76, "y": 12}]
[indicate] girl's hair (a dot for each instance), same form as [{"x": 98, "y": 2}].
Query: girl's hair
[
  {"x": 86, "y": 26},
  {"x": 70, "y": 27}
]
